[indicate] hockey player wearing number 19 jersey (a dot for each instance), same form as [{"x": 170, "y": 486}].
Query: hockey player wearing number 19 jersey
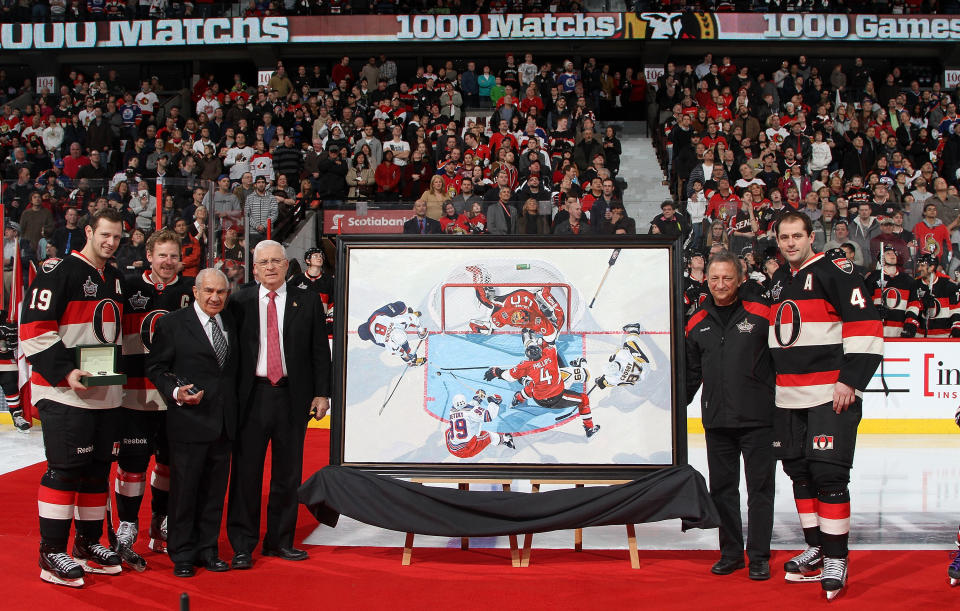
[
  {"x": 75, "y": 301},
  {"x": 827, "y": 341}
]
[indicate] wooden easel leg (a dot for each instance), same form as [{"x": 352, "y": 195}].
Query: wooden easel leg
[
  {"x": 578, "y": 534},
  {"x": 632, "y": 542},
  {"x": 528, "y": 537},
  {"x": 464, "y": 541},
  {"x": 514, "y": 549},
  {"x": 407, "y": 550}
]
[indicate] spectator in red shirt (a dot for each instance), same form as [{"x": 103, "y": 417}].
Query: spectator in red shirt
[
  {"x": 724, "y": 203},
  {"x": 74, "y": 161},
  {"x": 343, "y": 72},
  {"x": 532, "y": 100},
  {"x": 388, "y": 177}
]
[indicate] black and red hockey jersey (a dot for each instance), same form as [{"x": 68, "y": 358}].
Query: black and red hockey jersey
[
  {"x": 892, "y": 296},
  {"x": 823, "y": 329},
  {"x": 694, "y": 292},
  {"x": 70, "y": 303},
  {"x": 146, "y": 302},
  {"x": 937, "y": 307},
  {"x": 322, "y": 285}
]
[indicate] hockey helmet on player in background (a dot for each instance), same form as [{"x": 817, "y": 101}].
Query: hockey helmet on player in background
[
  {"x": 531, "y": 344},
  {"x": 459, "y": 402}
]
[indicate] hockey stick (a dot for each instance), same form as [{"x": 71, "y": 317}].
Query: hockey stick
[
  {"x": 559, "y": 418},
  {"x": 613, "y": 259},
  {"x": 461, "y": 368},
  {"x": 397, "y": 385}
]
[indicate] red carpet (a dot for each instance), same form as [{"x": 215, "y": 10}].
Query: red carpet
[{"x": 372, "y": 578}]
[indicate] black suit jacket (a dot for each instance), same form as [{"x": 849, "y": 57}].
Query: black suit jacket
[
  {"x": 181, "y": 349},
  {"x": 412, "y": 226},
  {"x": 306, "y": 348}
]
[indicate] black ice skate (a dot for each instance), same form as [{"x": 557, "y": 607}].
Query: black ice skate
[
  {"x": 592, "y": 430},
  {"x": 123, "y": 544},
  {"x": 953, "y": 571},
  {"x": 158, "y": 534},
  {"x": 506, "y": 439},
  {"x": 20, "y": 422},
  {"x": 95, "y": 558},
  {"x": 805, "y": 566},
  {"x": 833, "y": 578},
  {"x": 58, "y": 568}
]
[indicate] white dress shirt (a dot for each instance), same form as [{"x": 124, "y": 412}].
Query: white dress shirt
[{"x": 262, "y": 303}]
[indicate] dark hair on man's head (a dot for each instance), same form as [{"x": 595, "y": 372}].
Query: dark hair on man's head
[
  {"x": 791, "y": 217},
  {"x": 111, "y": 215},
  {"x": 725, "y": 256}
]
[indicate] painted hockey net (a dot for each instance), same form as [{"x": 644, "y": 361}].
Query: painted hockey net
[{"x": 454, "y": 303}]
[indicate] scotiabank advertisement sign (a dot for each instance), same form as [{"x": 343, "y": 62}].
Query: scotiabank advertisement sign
[
  {"x": 375, "y": 221},
  {"x": 465, "y": 28},
  {"x": 922, "y": 382}
]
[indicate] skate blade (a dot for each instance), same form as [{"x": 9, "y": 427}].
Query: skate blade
[
  {"x": 801, "y": 577},
  {"x": 158, "y": 545},
  {"x": 52, "y": 578},
  {"x": 135, "y": 562},
  {"x": 90, "y": 566},
  {"x": 832, "y": 595}
]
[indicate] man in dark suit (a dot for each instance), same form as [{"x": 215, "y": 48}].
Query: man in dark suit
[
  {"x": 421, "y": 223},
  {"x": 193, "y": 363},
  {"x": 284, "y": 379}
]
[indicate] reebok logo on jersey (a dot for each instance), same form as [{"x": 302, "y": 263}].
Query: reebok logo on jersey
[
  {"x": 704, "y": 329},
  {"x": 777, "y": 444},
  {"x": 85, "y": 450},
  {"x": 745, "y": 326},
  {"x": 823, "y": 442}
]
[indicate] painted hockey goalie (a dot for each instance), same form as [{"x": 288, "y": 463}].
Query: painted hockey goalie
[
  {"x": 536, "y": 310},
  {"x": 388, "y": 326},
  {"x": 626, "y": 364}
]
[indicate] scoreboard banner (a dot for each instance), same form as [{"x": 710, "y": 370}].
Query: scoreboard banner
[
  {"x": 467, "y": 28},
  {"x": 916, "y": 391}
]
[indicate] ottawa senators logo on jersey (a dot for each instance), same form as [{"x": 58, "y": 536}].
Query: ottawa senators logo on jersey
[
  {"x": 844, "y": 264},
  {"x": 519, "y": 317},
  {"x": 49, "y": 265}
]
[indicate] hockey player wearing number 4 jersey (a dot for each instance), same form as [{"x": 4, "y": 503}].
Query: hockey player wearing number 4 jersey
[
  {"x": 522, "y": 309},
  {"x": 388, "y": 326},
  {"x": 466, "y": 436},
  {"x": 545, "y": 384},
  {"x": 827, "y": 341}
]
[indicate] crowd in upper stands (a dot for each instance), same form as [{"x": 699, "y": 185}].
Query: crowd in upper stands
[
  {"x": 536, "y": 153},
  {"x": 872, "y": 158}
]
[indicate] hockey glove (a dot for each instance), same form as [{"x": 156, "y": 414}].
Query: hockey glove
[
  {"x": 493, "y": 372},
  {"x": 480, "y": 395},
  {"x": 496, "y": 399},
  {"x": 908, "y": 331},
  {"x": 955, "y": 332},
  {"x": 422, "y": 332},
  {"x": 517, "y": 399}
]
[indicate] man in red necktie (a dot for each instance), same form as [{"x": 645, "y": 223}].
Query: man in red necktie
[{"x": 284, "y": 379}]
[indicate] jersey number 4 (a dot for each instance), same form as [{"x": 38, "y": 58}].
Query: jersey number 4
[{"x": 40, "y": 299}]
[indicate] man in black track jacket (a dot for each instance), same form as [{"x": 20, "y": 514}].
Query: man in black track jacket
[{"x": 727, "y": 350}]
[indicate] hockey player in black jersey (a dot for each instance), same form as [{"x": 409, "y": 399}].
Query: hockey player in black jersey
[
  {"x": 316, "y": 279},
  {"x": 156, "y": 292},
  {"x": 892, "y": 291},
  {"x": 937, "y": 307},
  {"x": 75, "y": 301}
]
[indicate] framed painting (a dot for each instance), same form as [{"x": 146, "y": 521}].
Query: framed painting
[{"x": 498, "y": 358}]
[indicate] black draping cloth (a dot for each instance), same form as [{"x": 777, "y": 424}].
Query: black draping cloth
[{"x": 674, "y": 492}]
